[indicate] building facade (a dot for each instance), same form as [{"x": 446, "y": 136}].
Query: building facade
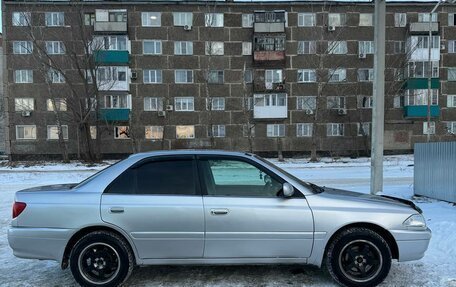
[{"x": 289, "y": 76}]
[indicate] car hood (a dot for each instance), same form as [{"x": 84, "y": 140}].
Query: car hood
[
  {"x": 54, "y": 187},
  {"x": 365, "y": 200}
]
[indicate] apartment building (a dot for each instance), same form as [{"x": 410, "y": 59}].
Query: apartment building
[{"x": 289, "y": 76}]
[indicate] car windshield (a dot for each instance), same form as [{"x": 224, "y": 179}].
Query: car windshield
[
  {"x": 90, "y": 178},
  {"x": 315, "y": 188}
]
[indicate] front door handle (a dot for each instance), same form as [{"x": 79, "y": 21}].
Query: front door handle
[
  {"x": 116, "y": 209},
  {"x": 219, "y": 211}
]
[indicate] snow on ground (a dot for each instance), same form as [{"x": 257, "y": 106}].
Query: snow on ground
[{"x": 437, "y": 268}]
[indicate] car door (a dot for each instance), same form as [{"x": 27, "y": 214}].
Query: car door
[
  {"x": 245, "y": 215},
  {"x": 158, "y": 203}
]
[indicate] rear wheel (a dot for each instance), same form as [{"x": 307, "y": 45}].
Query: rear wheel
[
  {"x": 101, "y": 258},
  {"x": 358, "y": 257}
]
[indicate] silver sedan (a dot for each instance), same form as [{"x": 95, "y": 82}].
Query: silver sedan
[{"x": 212, "y": 207}]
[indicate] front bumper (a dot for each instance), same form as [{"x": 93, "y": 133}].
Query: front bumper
[
  {"x": 38, "y": 243},
  {"x": 411, "y": 244}
]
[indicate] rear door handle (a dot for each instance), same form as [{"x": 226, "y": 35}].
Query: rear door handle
[
  {"x": 116, "y": 209},
  {"x": 219, "y": 211}
]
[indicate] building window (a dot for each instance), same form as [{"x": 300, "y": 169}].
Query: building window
[
  {"x": 246, "y": 48},
  {"x": 183, "y": 48},
  {"x": 307, "y": 19},
  {"x": 419, "y": 97},
  {"x": 218, "y": 104},
  {"x": 336, "y": 19},
  {"x": 451, "y": 101},
  {"x": 55, "y": 77},
  {"x": 451, "y": 19},
  {"x": 451, "y": 127},
  {"x": 23, "y": 76},
  {"x": 154, "y": 132},
  {"x": 55, "y": 47},
  {"x": 183, "y": 18},
  {"x": 451, "y": 74},
  {"x": 399, "y": 47},
  {"x": 428, "y": 130},
  {"x": 400, "y": 19},
  {"x": 214, "y": 48},
  {"x": 117, "y": 43},
  {"x": 365, "y": 19},
  {"x": 421, "y": 69},
  {"x": 335, "y": 102},
  {"x": 275, "y": 130},
  {"x": 269, "y": 43},
  {"x": 215, "y": 77},
  {"x": 183, "y": 76},
  {"x": 22, "y": 47},
  {"x": 213, "y": 19},
  {"x": 25, "y": 132},
  {"x": 152, "y": 47},
  {"x": 337, "y": 47},
  {"x": 270, "y": 17},
  {"x": 272, "y": 77},
  {"x": 58, "y": 104},
  {"x": 308, "y": 103},
  {"x": 117, "y": 102},
  {"x": 452, "y": 46},
  {"x": 153, "y": 104},
  {"x": 184, "y": 104},
  {"x": 151, "y": 19},
  {"x": 365, "y": 47},
  {"x": 53, "y": 19},
  {"x": 307, "y": 76},
  {"x": 337, "y": 75},
  {"x": 365, "y": 102},
  {"x": 248, "y": 76},
  {"x": 185, "y": 132},
  {"x": 422, "y": 42},
  {"x": 248, "y": 130},
  {"x": 424, "y": 17},
  {"x": 335, "y": 130},
  {"x": 24, "y": 104},
  {"x": 270, "y": 100},
  {"x": 21, "y": 18},
  {"x": 365, "y": 75},
  {"x": 218, "y": 131},
  {"x": 247, "y": 20},
  {"x": 108, "y": 74},
  {"x": 304, "y": 130},
  {"x": 307, "y": 47},
  {"x": 152, "y": 76},
  {"x": 53, "y": 132},
  {"x": 89, "y": 19},
  {"x": 121, "y": 132},
  {"x": 364, "y": 129}
]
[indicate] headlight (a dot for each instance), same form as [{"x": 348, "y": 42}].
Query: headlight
[{"x": 415, "y": 222}]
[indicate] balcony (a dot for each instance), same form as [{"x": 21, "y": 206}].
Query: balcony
[
  {"x": 110, "y": 27},
  {"x": 422, "y": 28},
  {"x": 260, "y": 86},
  {"x": 115, "y": 115},
  {"x": 269, "y": 27},
  {"x": 421, "y": 111},
  {"x": 420, "y": 83},
  {"x": 275, "y": 112},
  {"x": 112, "y": 57}
]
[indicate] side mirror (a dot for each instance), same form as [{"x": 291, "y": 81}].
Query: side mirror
[{"x": 288, "y": 190}]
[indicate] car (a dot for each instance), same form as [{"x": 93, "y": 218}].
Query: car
[{"x": 212, "y": 207}]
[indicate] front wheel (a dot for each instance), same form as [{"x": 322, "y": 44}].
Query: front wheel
[
  {"x": 101, "y": 259},
  {"x": 358, "y": 257}
]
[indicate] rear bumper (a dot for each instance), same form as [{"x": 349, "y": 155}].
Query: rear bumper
[
  {"x": 38, "y": 243},
  {"x": 411, "y": 244}
]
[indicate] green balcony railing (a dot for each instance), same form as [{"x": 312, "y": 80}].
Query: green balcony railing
[
  {"x": 111, "y": 57},
  {"x": 420, "y": 84},
  {"x": 115, "y": 115},
  {"x": 420, "y": 111}
]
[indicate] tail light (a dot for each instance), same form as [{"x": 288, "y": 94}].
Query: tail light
[{"x": 18, "y": 207}]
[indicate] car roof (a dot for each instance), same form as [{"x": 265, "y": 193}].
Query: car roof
[{"x": 189, "y": 152}]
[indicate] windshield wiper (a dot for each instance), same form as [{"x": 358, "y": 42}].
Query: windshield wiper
[{"x": 316, "y": 188}]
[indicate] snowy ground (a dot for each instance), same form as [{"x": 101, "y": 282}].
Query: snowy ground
[{"x": 437, "y": 268}]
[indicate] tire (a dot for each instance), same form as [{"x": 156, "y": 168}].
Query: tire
[
  {"x": 358, "y": 257},
  {"x": 101, "y": 259}
]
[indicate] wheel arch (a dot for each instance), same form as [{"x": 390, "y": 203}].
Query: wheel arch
[
  {"x": 374, "y": 227},
  {"x": 86, "y": 230}
]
